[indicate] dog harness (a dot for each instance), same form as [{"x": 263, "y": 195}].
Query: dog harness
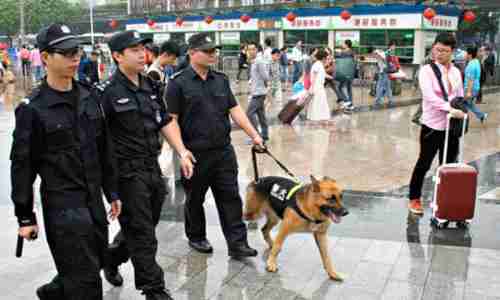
[{"x": 282, "y": 194}]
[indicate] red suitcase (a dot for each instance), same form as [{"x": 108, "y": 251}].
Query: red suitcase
[{"x": 454, "y": 190}]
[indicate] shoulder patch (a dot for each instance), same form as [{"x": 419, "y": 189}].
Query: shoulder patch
[
  {"x": 101, "y": 86},
  {"x": 32, "y": 97},
  {"x": 176, "y": 74}
]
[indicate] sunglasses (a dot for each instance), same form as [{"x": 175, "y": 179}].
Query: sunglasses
[{"x": 69, "y": 53}]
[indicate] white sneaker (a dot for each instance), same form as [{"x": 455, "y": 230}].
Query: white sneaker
[{"x": 483, "y": 119}]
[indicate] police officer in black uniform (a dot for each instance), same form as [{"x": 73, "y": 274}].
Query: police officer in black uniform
[
  {"x": 61, "y": 136},
  {"x": 200, "y": 102},
  {"x": 135, "y": 115}
]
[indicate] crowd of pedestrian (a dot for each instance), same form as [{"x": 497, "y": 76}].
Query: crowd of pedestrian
[{"x": 92, "y": 135}]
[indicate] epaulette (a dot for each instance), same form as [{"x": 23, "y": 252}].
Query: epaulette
[
  {"x": 25, "y": 101},
  {"x": 101, "y": 86},
  {"x": 85, "y": 84},
  {"x": 176, "y": 74},
  {"x": 34, "y": 94}
]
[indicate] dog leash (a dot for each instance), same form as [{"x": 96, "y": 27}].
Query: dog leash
[{"x": 265, "y": 150}]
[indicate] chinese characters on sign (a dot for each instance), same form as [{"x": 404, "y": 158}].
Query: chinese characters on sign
[
  {"x": 377, "y": 22},
  {"x": 266, "y": 24},
  {"x": 229, "y": 25},
  {"x": 306, "y": 23},
  {"x": 438, "y": 22}
]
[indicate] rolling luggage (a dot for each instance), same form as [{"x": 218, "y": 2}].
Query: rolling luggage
[
  {"x": 455, "y": 188},
  {"x": 290, "y": 111}
]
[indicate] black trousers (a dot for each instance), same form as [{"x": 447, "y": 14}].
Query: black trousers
[
  {"x": 431, "y": 142},
  {"x": 256, "y": 109},
  {"x": 142, "y": 193},
  {"x": 217, "y": 170},
  {"x": 78, "y": 247},
  {"x": 26, "y": 65}
]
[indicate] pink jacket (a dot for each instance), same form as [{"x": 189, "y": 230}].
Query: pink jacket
[
  {"x": 434, "y": 108},
  {"x": 35, "y": 58}
]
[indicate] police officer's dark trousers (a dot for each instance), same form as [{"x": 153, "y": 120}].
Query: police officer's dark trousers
[
  {"x": 142, "y": 191},
  {"x": 218, "y": 170},
  {"x": 77, "y": 245}
]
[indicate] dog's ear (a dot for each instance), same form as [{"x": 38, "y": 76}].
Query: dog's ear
[
  {"x": 315, "y": 184},
  {"x": 328, "y": 178}
]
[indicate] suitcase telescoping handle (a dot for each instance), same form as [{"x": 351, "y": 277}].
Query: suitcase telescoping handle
[{"x": 461, "y": 141}]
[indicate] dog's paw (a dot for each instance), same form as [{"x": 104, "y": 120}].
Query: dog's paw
[
  {"x": 271, "y": 267},
  {"x": 337, "y": 276}
]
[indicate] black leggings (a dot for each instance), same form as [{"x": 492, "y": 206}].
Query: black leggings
[{"x": 431, "y": 141}]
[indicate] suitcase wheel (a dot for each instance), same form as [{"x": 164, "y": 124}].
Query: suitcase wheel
[
  {"x": 439, "y": 225},
  {"x": 462, "y": 224}
]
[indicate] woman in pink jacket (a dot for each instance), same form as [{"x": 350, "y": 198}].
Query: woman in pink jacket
[
  {"x": 36, "y": 63},
  {"x": 434, "y": 115}
]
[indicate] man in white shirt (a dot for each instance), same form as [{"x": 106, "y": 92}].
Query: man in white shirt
[
  {"x": 297, "y": 58},
  {"x": 267, "y": 50}
]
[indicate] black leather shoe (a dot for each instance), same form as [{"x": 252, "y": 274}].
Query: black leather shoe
[
  {"x": 242, "y": 251},
  {"x": 113, "y": 276},
  {"x": 50, "y": 291},
  {"x": 158, "y": 295},
  {"x": 201, "y": 246}
]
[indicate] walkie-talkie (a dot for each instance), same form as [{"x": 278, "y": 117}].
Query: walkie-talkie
[{"x": 20, "y": 243}]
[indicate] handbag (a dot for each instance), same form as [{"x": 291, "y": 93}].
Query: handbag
[
  {"x": 391, "y": 65},
  {"x": 456, "y": 125}
]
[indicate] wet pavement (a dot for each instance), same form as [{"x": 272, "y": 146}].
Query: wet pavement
[{"x": 384, "y": 252}]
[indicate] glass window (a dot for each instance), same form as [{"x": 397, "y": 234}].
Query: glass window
[
  {"x": 403, "y": 38},
  {"x": 249, "y": 36},
  {"x": 310, "y": 38},
  {"x": 293, "y": 36},
  {"x": 379, "y": 39},
  {"x": 374, "y": 38},
  {"x": 178, "y": 37},
  {"x": 317, "y": 38}
]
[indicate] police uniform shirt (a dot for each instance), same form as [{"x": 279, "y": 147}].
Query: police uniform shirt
[
  {"x": 277, "y": 189},
  {"x": 135, "y": 115},
  {"x": 62, "y": 137},
  {"x": 203, "y": 108}
]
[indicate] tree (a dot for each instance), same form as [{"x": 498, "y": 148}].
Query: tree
[
  {"x": 38, "y": 13},
  {"x": 9, "y": 17}
]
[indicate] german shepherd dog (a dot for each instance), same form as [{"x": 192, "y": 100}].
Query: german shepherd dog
[{"x": 309, "y": 208}]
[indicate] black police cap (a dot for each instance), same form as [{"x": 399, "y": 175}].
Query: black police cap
[
  {"x": 126, "y": 39},
  {"x": 56, "y": 36},
  {"x": 201, "y": 41}
]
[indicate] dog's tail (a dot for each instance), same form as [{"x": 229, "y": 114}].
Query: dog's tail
[{"x": 253, "y": 203}]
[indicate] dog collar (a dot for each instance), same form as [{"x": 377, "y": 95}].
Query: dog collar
[{"x": 296, "y": 207}]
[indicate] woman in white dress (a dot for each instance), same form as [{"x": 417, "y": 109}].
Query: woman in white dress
[{"x": 318, "y": 109}]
